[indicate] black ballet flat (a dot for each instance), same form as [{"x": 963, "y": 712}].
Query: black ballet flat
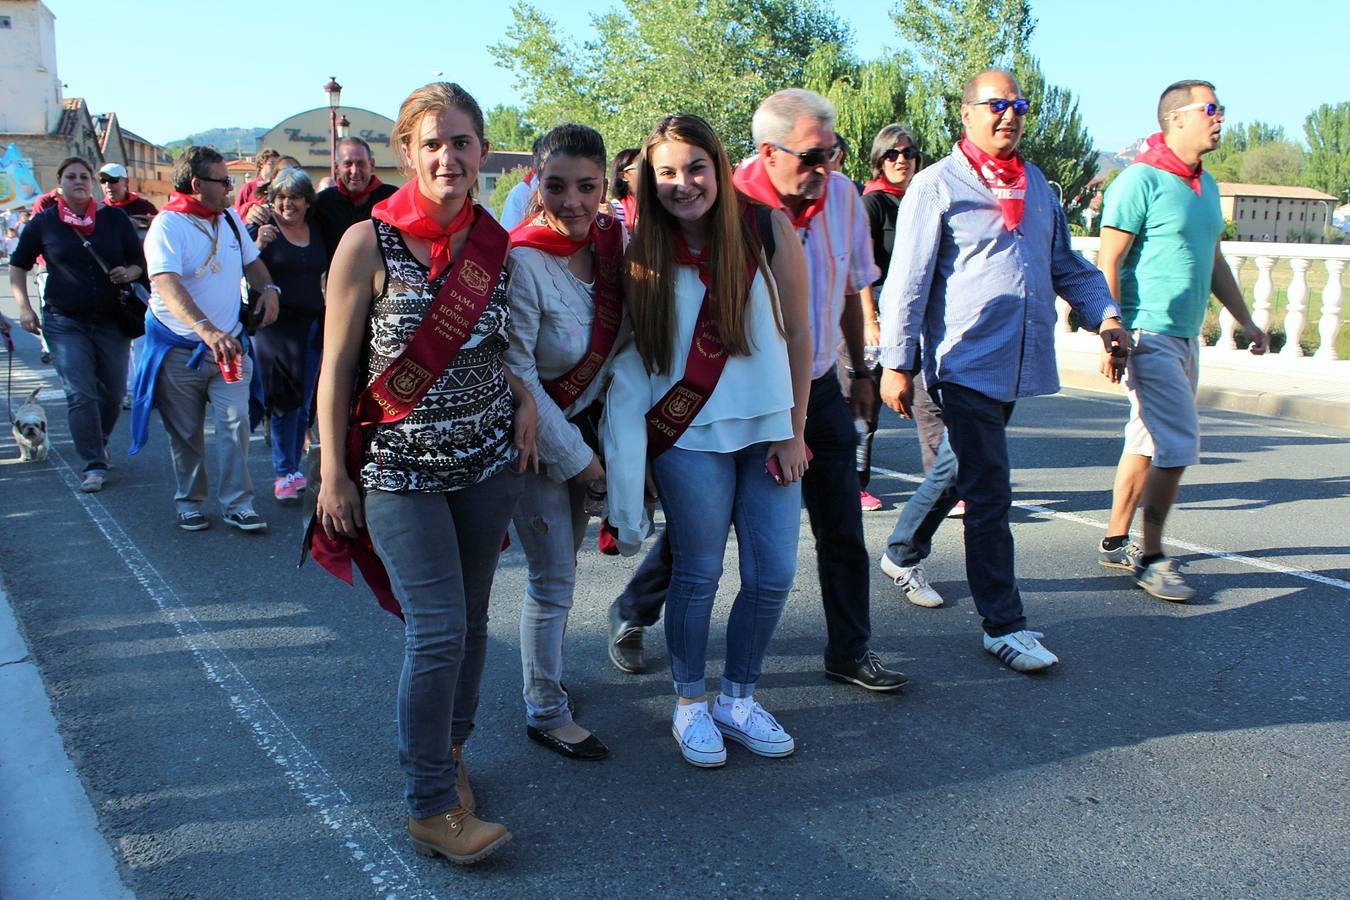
[{"x": 589, "y": 750}]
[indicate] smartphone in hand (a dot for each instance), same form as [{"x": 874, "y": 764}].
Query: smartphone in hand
[{"x": 775, "y": 468}]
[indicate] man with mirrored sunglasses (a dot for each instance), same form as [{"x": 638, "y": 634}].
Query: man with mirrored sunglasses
[
  {"x": 981, "y": 251},
  {"x": 1161, "y": 225}
]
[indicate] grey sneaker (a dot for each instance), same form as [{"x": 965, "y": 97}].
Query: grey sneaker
[
  {"x": 246, "y": 520},
  {"x": 193, "y": 521},
  {"x": 1161, "y": 579},
  {"x": 913, "y": 580},
  {"x": 1124, "y": 557}
]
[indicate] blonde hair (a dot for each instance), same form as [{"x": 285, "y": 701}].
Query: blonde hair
[
  {"x": 433, "y": 98},
  {"x": 650, "y": 260}
]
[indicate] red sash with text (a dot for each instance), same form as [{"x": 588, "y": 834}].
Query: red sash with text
[
  {"x": 446, "y": 325},
  {"x": 607, "y": 237},
  {"x": 675, "y": 411}
]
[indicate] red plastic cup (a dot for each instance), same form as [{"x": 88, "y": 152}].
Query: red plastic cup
[{"x": 232, "y": 368}]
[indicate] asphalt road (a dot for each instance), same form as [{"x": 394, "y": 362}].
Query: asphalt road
[{"x": 232, "y": 718}]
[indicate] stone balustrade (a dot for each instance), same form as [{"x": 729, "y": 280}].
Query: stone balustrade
[{"x": 1264, "y": 256}]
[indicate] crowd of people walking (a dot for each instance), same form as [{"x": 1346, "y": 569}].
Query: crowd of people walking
[{"x": 716, "y": 338}]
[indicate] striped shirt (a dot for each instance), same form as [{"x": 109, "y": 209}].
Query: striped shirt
[
  {"x": 977, "y": 298},
  {"x": 838, "y": 246}
]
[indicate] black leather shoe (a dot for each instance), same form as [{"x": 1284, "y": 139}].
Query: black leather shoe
[
  {"x": 625, "y": 643},
  {"x": 590, "y": 749},
  {"x": 866, "y": 672}
]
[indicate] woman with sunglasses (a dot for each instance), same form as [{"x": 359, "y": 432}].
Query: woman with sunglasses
[
  {"x": 895, "y": 158},
  {"x": 713, "y": 390},
  {"x": 80, "y": 305},
  {"x": 566, "y": 314}
]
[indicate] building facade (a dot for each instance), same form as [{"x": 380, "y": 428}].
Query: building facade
[{"x": 1266, "y": 212}]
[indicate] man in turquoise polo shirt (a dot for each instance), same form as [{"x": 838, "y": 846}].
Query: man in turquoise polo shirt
[{"x": 1160, "y": 254}]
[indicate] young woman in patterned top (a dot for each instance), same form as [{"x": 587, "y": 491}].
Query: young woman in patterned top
[{"x": 437, "y": 482}]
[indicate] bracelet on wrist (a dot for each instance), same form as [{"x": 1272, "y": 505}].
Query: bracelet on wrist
[{"x": 198, "y": 323}]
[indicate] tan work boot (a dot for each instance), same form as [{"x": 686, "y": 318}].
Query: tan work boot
[
  {"x": 457, "y": 836},
  {"x": 466, "y": 797}
]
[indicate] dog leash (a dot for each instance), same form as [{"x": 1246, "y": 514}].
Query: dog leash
[{"x": 9, "y": 380}]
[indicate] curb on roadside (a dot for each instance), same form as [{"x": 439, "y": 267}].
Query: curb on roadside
[{"x": 50, "y": 843}]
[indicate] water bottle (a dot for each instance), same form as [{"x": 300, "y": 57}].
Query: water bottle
[{"x": 862, "y": 456}]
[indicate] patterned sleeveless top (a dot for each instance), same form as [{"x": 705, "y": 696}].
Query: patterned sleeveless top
[{"x": 460, "y": 433}]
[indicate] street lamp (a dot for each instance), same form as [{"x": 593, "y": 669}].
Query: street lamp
[
  {"x": 1326, "y": 222},
  {"x": 343, "y": 127},
  {"x": 334, "y": 92},
  {"x": 1060, "y": 191}
]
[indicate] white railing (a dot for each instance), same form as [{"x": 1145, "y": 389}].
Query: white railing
[{"x": 1264, "y": 256}]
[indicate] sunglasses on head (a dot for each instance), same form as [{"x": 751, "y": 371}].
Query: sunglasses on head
[
  {"x": 895, "y": 153},
  {"x": 998, "y": 105},
  {"x": 1211, "y": 109},
  {"x": 816, "y": 156}
]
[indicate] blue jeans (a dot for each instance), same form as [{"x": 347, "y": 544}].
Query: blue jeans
[
  {"x": 977, "y": 430},
  {"x": 912, "y": 540},
  {"x": 441, "y": 553},
  {"x": 551, "y": 523},
  {"x": 288, "y": 431},
  {"x": 704, "y": 495},
  {"x": 91, "y": 358}
]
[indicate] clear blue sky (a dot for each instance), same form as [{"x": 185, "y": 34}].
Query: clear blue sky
[{"x": 1272, "y": 60}]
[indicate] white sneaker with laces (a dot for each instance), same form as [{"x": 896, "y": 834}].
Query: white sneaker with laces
[
  {"x": 913, "y": 580},
  {"x": 696, "y": 733},
  {"x": 1021, "y": 650},
  {"x": 747, "y": 723}
]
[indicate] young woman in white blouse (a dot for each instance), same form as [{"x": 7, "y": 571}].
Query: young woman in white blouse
[
  {"x": 566, "y": 312},
  {"x": 713, "y": 390}
]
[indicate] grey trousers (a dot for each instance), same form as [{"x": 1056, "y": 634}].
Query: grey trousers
[
  {"x": 441, "y": 552},
  {"x": 181, "y": 396},
  {"x": 551, "y": 524}
]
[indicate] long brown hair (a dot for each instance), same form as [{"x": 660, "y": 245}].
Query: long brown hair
[{"x": 650, "y": 261}]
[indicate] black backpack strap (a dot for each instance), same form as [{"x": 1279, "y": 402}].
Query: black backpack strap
[{"x": 764, "y": 225}]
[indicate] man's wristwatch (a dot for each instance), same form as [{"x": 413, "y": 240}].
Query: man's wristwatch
[{"x": 855, "y": 374}]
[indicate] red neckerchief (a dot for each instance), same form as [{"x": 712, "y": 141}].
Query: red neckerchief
[
  {"x": 629, "y": 205},
  {"x": 529, "y": 176},
  {"x": 84, "y": 225},
  {"x": 1006, "y": 178},
  {"x": 132, "y": 197},
  {"x": 753, "y": 179},
  {"x": 186, "y": 203},
  {"x": 1160, "y": 156},
  {"x": 358, "y": 199},
  {"x": 406, "y": 209},
  {"x": 882, "y": 185},
  {"x": 686, "y": 257},
  {"x": 535, "y": 233}
]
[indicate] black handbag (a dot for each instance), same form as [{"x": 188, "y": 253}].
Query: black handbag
[{"x": 132, "y": 299}]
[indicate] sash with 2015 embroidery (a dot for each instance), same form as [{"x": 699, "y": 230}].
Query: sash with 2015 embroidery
[{"x": 675, "y": 411}]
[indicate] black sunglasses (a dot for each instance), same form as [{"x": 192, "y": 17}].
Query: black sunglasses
[
  {"x": 816, "y": 156},
  {"x": 227, "y": 181},
  {"x": 998, "y": 105},
  {"x": 109, "y": 180},
  {"x": 895, "y": 153}
]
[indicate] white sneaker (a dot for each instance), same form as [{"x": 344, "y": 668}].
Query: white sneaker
[
  {"x": 913, "y": 580},
  {"x": 696, "y": 733},
  {"x": 1021, "y": 650},
  {"x": 747, "y": 723}
]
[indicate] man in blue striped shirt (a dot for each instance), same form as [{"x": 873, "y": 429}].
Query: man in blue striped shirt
[{"x": 981, "y": 250}]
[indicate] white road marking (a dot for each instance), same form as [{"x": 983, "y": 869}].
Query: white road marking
[
  {"x": 1265, "y": 423},
  {"x": 389, "y": 873},
  {"x": 1047, "y": 513}
]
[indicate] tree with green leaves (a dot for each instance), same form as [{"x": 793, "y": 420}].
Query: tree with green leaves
[
  {"x": 1276, "y": 162},
  {"x": 1054, "y": 137},
  {"x": 722, "y": 59},
  {"x": 1225, "y": 162},
  {"x": 507, "y": 128},
  {"x": 957, "y": 39},
  {"x": 1327, "y": 168},
  {"x": 505, "y": 182},
  {"x": 867, "y": 96}
]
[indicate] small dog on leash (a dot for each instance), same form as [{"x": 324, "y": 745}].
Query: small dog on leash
[{"x": 30, "y": 430}]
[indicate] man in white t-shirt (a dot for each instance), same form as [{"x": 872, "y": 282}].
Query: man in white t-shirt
[{"x": 196, "y": 252}]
